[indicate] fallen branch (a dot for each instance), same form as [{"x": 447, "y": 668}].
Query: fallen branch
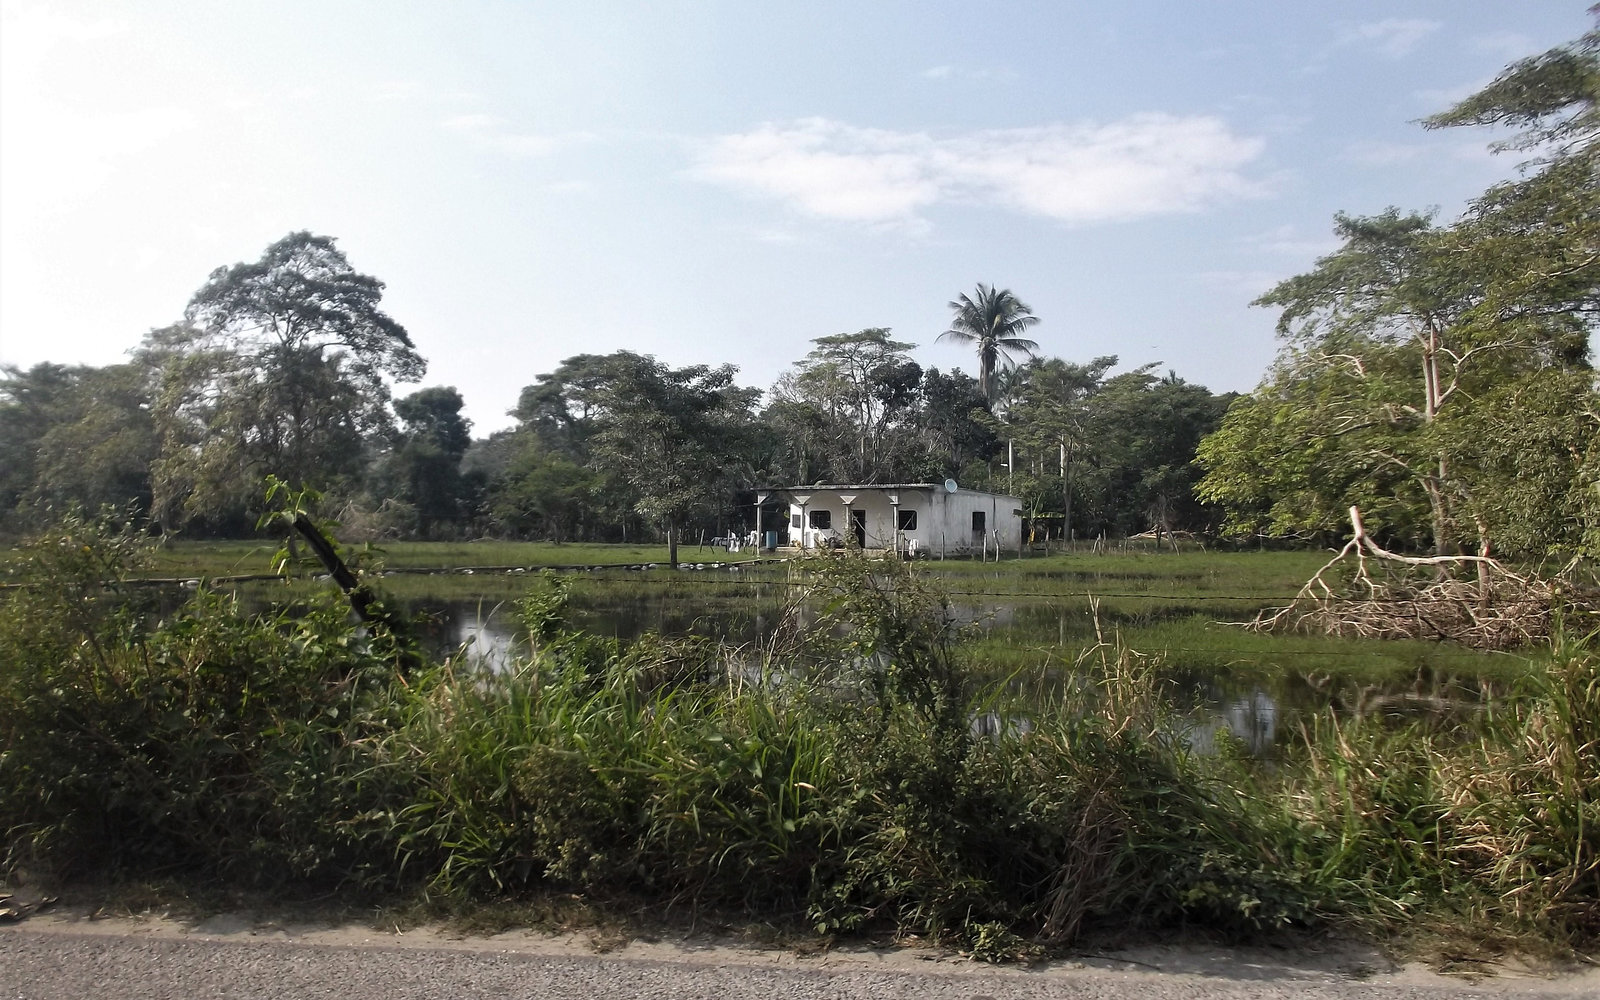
[{"x": 1497, "y": 609}]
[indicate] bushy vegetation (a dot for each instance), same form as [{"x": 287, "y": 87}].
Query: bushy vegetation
[{"x": 849, "y": 776}]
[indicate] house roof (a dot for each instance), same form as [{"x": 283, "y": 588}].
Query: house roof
[
  {"x": 879, "y": 487},
  {"x": 856, "y": 486}
]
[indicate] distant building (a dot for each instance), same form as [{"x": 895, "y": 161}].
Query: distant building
[{"x": 919, "y": 518}]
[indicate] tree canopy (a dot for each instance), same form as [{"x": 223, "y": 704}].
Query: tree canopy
[
  {"x": 280, "y": 368},
  {"x": 993, "y": 320},
  {"x": 1420, "y": 360}
]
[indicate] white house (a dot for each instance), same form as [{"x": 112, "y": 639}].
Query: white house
[{"x": 919, "y": 518}]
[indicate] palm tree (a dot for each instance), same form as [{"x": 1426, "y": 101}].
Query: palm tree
[{"x": 994, "y": 319}]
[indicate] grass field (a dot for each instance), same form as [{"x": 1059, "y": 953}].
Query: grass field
[
  {"x": 251, "y": 556},
  {"x": 1032, "y": 616}
]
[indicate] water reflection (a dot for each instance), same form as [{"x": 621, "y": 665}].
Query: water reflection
[
  {"x": 484, "y": 639},
  {"x": 1254, "y": 711},
  {"x": 1251, "y": 721}
]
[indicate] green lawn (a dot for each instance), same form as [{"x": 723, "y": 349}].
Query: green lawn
[
  {"x": 1034, "y": 614},
  {"x": 234, "y": 558}
]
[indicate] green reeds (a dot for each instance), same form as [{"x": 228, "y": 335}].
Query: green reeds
[{"x": 853, "y": 774}]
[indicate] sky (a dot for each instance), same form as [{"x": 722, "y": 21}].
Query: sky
[{"x": 721, "y": 182}]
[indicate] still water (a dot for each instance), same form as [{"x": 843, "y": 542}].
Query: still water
[{"x": 1256, "y": 708}]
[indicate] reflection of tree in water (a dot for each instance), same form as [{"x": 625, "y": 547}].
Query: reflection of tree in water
[
  {"x": 1253, "y": 715},
  {"x": 1251, "y": 720},
  {"x": 483, "y": 637}
]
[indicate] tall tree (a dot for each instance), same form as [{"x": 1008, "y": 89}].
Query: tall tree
[
  {"x": 558, "y": 408},
  {"x": 424, "y": 469},
  {"x": 280, "y": 367},
  {"x": 953, "y": 425},
  {"x": 545, "y": 493},
  {"x": 1391, "y": 286},
  {"x": 434, "y": 415},
  {"x": 862, "y": 384},
  {"x": 1419, "y": 359},
  {"x": 994, "y": 321},
  {"x": 31, "y": 403},
  {"x": 75, "y": 435},
  {"x": 671, "y": 435},
  {"x": 1146, "y": 431},
  {"x": 1052, "y": 413},
  {"x": 1553, "y": 99}
]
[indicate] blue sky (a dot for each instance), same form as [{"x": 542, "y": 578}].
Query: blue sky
[{"x": 721, "y": 182}]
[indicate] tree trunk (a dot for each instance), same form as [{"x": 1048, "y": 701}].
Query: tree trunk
[
  {"x": 1485, "y": 587},
  {"x": 362, "y": 601},
  {"x": 672, "y": 544},
  {"x": 1066, "y": 489},
  {"x": 1431, "y": 393}
]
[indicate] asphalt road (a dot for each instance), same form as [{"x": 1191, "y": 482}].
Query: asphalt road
[{"x": 49, "y": 959}]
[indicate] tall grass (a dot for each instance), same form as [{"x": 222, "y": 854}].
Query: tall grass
[{"x": 852, "y": 774}]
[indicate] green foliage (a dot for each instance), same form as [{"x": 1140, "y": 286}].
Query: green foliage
[
  {"x": 993, "y": 320},
  {"x": 1321, "y": 434},
  {"x": 280, "y": 367},
  {"x": 546, "y": 494},
  {"x": 1117, "y": 452},
  {"x": 70, "y": 596},
  {"x": 74, "y": 435},
  {"x": 423, "y": 471},
  {"x": 1422, "y": 363},
  {"x": 233, "y": 744},
  {"x": 953, "y": 427},
  {"x": 660, "y": 444},
  {"x": 857, "y": 778},
  {"x": 1554, "y": 98},
  {"x": 857, "y": 387}
]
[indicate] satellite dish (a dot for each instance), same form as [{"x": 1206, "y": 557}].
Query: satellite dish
[{"x": 949, "y": 485}]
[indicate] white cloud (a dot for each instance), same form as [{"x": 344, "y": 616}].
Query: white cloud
[
  {"x": 32, "y": 34},
  {"x": 53, "y": 157},
  {"x": 1393, "y": 37},
  {"x": 1396, "y": 154},
  {"x": 1248, "y": 285},
  {"x": 391, "y": 91},
  {"x": 471, "y": 123},
  {"x": 830, "y": 169},
  {"x": 1151, "y": 164}
]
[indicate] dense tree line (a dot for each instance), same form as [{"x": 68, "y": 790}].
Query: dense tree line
[
  {"x": 1435, "y": 375},
  {"x": 284, "y": 366}
]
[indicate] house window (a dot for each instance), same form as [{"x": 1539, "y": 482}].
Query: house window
[
  {"x": 822, "y": 519},
  {"x": 979, "y": 521},
  {"x": 794, "y": 521},
  {"x": 907, "y": 520}
]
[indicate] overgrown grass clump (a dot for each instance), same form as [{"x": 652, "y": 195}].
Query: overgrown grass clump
[{"x": 850, "y": 776}]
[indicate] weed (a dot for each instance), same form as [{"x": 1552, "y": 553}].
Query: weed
[{"x": 859, "y": 772}]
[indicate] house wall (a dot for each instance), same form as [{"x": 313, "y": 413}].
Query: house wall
[
  {"x": 872, "y": 504},
  {"x": 944, "y": 520},
  {"x": 954, "y": 522}
]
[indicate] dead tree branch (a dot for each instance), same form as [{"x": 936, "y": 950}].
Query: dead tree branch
[{"x": 1392, "y": 596}]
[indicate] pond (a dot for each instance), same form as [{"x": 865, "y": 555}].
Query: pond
[{"x": 1257, "y": 688}]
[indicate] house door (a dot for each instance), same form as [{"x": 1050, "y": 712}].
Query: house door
[{"x": 858, "y": 525}]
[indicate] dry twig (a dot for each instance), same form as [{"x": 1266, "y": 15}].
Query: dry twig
[{"x": 1389, "y": 597}]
